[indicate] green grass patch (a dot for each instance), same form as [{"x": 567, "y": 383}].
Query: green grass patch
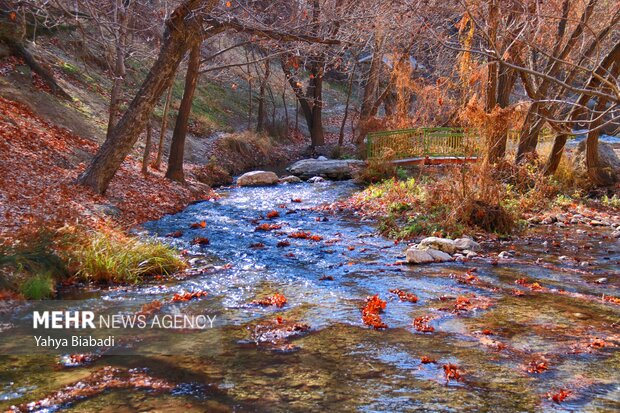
[
  {"x": 34, "y": 268},
  {"x": 115, "y": 258}
]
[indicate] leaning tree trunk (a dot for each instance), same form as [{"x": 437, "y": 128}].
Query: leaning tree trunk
[
  {"x": 183, "y": 30},
  {"x": 17, "y": 49},
  {"x": 528, "y": 140},
  {"x": 177, "y": 147}
]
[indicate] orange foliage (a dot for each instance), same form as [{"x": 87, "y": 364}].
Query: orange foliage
[
  {"x": 201, "y": 224},
  {"x": 537, "y": 366},
  {"x": 267, "y": 227},
  {"x": 560, "y": 395},
  {"x": 277, "y": 299},
  {"x": 370, "y": 313},
  {"x": 305, "y": 235},
  {"x": 201, "y": 241},
  {"x": 273, "y": 214},
  {"x": 39, "y": 163},
  {"x": 452, "y": 372},
  {"x": 421, "y": 324},
  {"x": 188, "y": 296},
  {"x": 405, "y": 296}
]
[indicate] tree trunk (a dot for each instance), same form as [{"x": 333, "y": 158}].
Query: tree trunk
[
  {"x": 609, "y": 67},
  {"x": 371, "y": 87},
  {"x": 317, "y": 136},
  {"x": 532, "y": 125},
  {"x": 183, "y": 30},
  {"x": 346, "y": 106},
  {"x": 17, "y": 49},
  {"x": 505, "y": 82},
  {"x": 119, "y": 66},
  {"x": 260, "y": 118},
  {"x": 164, "y": 127},
  {"x": 177, "y": 146},
  {"x": 147, "y": 149}
]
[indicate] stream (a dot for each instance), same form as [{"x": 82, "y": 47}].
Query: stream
[{"x": 340, "y": 364}]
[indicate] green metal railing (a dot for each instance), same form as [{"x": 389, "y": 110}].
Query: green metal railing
[{"x": 433, "y": 142}]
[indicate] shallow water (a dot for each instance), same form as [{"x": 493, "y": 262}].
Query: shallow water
[{"x": 341, "y": 364}]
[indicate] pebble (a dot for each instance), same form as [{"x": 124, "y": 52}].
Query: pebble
[
  {"x": 601, "y": 280},
  {"x": 504, "y": 254}
]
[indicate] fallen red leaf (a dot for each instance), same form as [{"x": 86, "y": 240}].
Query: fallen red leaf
[
  {"x": 370, "y": 313},
  {"x": 276, "y": 299},
  {"x": 273, "y": 214},
  {"x": 405, "y": 296}
]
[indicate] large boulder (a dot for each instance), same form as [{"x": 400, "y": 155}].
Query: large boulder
[
  {"x": 257, "y": 178},
  {"x": 336, "y": 169},
  {"x": 606, "y": 154},
  {"x": 441, "y": 244}
]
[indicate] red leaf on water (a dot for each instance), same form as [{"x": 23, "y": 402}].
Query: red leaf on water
[
  {"x": 421, "y": 324},
  {"x": 201, "y": 224},
  {"x": 276, "y": 299},
  {"x": 559, "y": 396},
  {"x": 452, "y": 372},
  {"x": 188, "y": 296},
  {"x": 405, "y": 296},
  {"x": 370, "y": 312},
  {"x": 273, "y": 214},
  {"x": 267, "y": 227},
  {"x": 200, "y": 241}
]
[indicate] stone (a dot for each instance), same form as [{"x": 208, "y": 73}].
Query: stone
[
  {"x": 608, "y": 158},
  {"x": 416, "y": 256},
  {"x": 466, "y": 244},
  {"x": 321, "y": 158},
  {"x": 470, "y": 254},
  {"x": 439, "y": 256},
  {"x": 257, "y": 178},
  {"x": 108, "y": 209},
  {"x": 601, "y": 280},
  {"x": 441, "y": 244},
  {"x": 504, "y": 254},
  {"x": 335, "y": 169},
  {"x": 291, "y": 179},
  {"x": 316, "y": 179},
  {"x": 426, "y": 256},
  {"x": 616, "y": 234}
]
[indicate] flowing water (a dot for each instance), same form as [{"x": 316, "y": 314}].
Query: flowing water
[{"x": 340, "y": 364}]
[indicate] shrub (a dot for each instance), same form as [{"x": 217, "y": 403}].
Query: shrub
[
  {"x": 31, "y": 268},
  {"x": 379, "y": 169},
  {"x": 213, "y": 175},
  {"x": 113, "y": 257},
  {"x": 38, "y": 287}
]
